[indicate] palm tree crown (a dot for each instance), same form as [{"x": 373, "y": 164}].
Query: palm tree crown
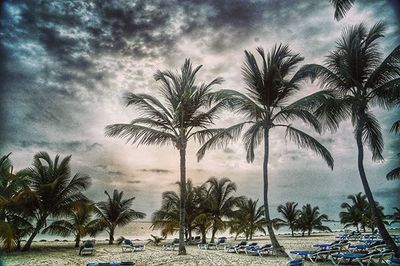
[
  {"x": 116, "y": 211},
  {"x": 290, "y": 214}
]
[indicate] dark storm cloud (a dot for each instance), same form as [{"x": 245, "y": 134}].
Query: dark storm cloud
[{"x": 69, "y": 146}]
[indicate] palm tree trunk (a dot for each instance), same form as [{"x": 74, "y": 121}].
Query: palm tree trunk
[
  {"x": 291, "y": 228},
  {"x": 77, "y": 240},
  {"x": 214, "y": 230},
  {"x": 277, "y": 248},
  {"x": 111, "y": 240},
  {"x": 203, "y": 235},
  {"x": 182, "y": 151},
  {"x": 39, "y": 226},
  {"x": 379, "y": 223}
]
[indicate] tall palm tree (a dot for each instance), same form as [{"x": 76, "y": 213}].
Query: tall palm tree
[
  {"x": 310, "y": 218},
  {"x": 265, "y": 107},
  {"x": 290, "y": 215},
  {"x": 115, "y": 212},
  {"x": 184, "y": 111},
  {"x": 248, "y": 218},
  {"x": 54, "y": 188},
  {"x": 79, "y": 224},
  {"x": 359, "y": 77},
  {"x": 341, "y": 7},
  {"x": 394, "y": 173},
  {"x": 221, "y": 202}
]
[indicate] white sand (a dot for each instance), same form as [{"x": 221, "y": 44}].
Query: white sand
[{"x": 63, "y": 253}]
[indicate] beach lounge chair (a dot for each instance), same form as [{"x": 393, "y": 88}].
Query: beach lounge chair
[
  {"x": 393, "y": 261},
  {"x": 298, "y": 262},
  {"x": 124, "y": 263},
  {"x": 233, "y": 248},
  {"x": 220, "y": 244},
  {"x": 127, "y": 245},
  {"x": 259, "y": 250},
  {"x": 362, "y": 259},
  {"x": 368, "y": 245},
  {"x": 338, "y": 244},
  {"x": 315, "y": 255},
  {"x": 244, "y": 248},
  {"x": 87, "y": 248},
  {"x": 172, "y": 246}
]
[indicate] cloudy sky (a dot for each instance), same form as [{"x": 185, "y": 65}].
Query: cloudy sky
[{"x": 66, "y": 64}]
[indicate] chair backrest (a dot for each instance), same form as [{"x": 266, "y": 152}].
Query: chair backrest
[
  {"x": 298, "y": 262},
  {"x": 127, "y": 242},
  {"x": 175, "y": 241},
  {"x": 243, "y": 243},
  {"x": 221, "y": 240},
  {"x": 88, "y": 244}
]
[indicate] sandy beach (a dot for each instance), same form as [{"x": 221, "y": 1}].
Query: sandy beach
[{"x": 63, "y": 253}]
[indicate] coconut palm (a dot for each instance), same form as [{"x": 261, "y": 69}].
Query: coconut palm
[
  {"x": 167, "y": 217},
  {"x": 14, "y": 222},
  {"x": 221, "y": 202},
  {"x": 359, "y": 77},
  {"x": 290, "y": 215},
  {"x": 115, "y": 212},
  {"x": 310, "y": 218},
  {"x": 354, "y": 211},
  {"x": 184, "y": 111},
  {"x": 394, "y": 173},
  {"x": 54, "y": 189},
  {"x": 265, "y": 107},
  {"x": 79, "y": 224},
  {"x": 248, "y": 218},
  {"x": 341, "y": 7}
]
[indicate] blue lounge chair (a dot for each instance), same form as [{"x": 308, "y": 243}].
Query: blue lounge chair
[
  {"x": 233, "y": 248},
  {"x": 127, "y": 245},
  {"x": 220, "y": 244},
  {"x": 244, "y": 248},
  {"x": 260, "y": 251},
  {"x": 124, "y": 263},
  {"x": 374, "y": 256},
  {"x": 298, "y": 262},
  {"x": 315, "y": 255},
  {"x": 340, "y": 244},
  {"x": 368, "y": 245},
  {"x": 393, "y": 261},
  {"x": 87, "y": 248},
  {"x": 171, "y": 246}
]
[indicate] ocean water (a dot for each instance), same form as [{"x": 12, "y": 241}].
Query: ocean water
[{"x": 143, "y": 231}]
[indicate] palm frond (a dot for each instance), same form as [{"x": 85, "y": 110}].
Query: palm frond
[
  {"x": 341, "y": 7},
  {"x": 304, "y": 140},
  {"x": 372, "y": 135}
]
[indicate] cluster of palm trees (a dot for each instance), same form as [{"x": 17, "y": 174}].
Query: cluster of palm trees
[
  {"x": 357, "y": 213},
  {"x": 212, "y": 207},
  {"x": 304, "y": 220},
  {"x": 354, "y": 78},
  {"x": 47, "y": 198}
]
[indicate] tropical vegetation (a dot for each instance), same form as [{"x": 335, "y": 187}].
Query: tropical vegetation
[
  {"x": 360, "y": 79},
  {"x": 115, "y": 212},
  {"x": 290, "y": 215},
  {"x": 185, "y": 111},
  {"x": 264, "y": 106}
]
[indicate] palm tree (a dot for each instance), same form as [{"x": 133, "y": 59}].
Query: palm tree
[
  {"x": 354, "y": 211},
  {"x": 248, "y": 218},
  {"x": 185, "y": 112},
  {"x": 115, "y": 212},
  {"x": 394, "y": 173},
  {"x": 54, "y": 189},
  {"x": 221, "y": 202},
  {"x": 14, "y": 222},
  {"x": 359, "y": 77},
  {"x": 290, "y": 215},
  {"x": 310, "y": 218},
  {"x": 341, "y": 7},
  {"x": 265, "y": 107},
  {"x": 79, "y": 224},
  {"x": 395, "y": 216}
]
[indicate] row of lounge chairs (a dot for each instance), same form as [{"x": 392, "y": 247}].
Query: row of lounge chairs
[{"x": 342, "y": 251}]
